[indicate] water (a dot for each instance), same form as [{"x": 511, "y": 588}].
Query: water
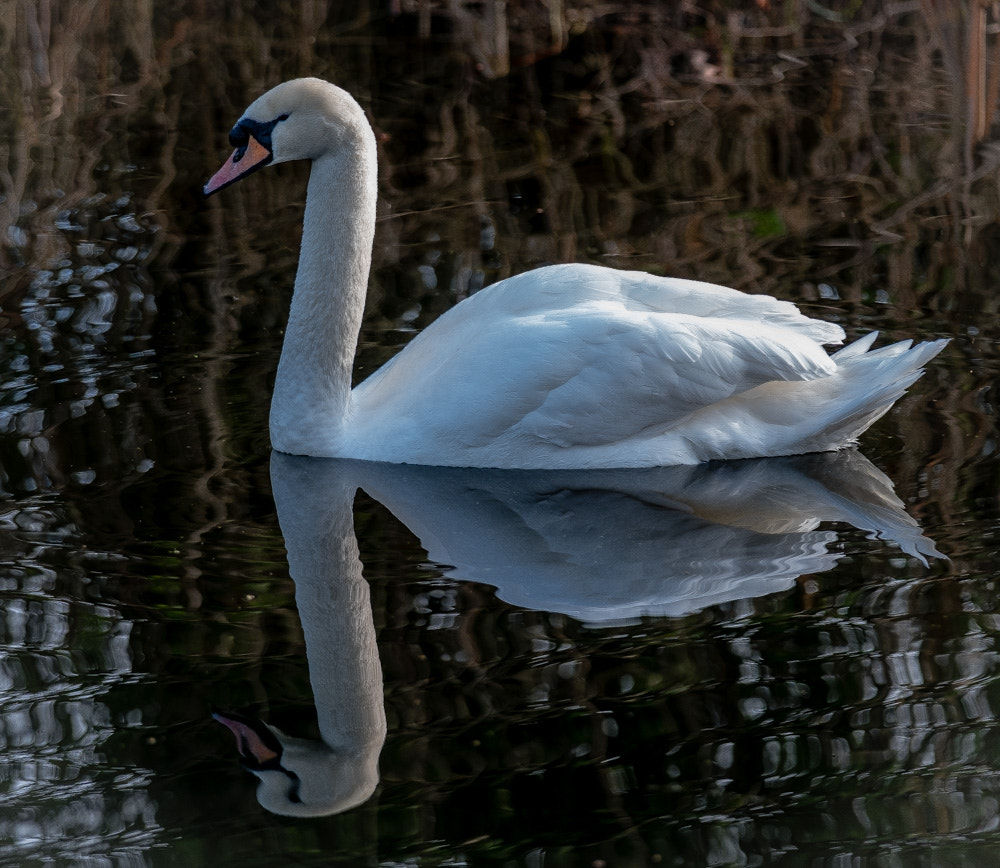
[{"x": 570, "y": 672}]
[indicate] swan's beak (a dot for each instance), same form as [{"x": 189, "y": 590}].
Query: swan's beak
[
  {"x": 256, "y": 743},
  {"x": 243, "y": 161}
]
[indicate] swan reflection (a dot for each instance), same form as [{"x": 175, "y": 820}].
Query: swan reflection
[{"x": 600, "y": 546}]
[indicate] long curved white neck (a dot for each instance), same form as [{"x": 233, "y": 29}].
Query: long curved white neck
[{"x": 313, "y": 384}]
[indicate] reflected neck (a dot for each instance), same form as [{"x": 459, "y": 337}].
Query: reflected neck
[{"x": 315, "y": 511}]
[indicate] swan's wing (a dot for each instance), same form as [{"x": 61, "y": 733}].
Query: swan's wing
[
  {"x": 599, "y": 370},
  {"x": 565, "y": 287},
  {"x": 632, "y": 374}
]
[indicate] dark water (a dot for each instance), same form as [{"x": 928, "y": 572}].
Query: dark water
[{"x": 758, "y": 664}]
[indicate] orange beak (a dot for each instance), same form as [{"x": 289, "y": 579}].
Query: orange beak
[{"x": 241, "y": 163}]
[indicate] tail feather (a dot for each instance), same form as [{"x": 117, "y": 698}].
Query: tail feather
[
  {"x": 858, "y": 348},
  {"x": 870, "y": 382},
  {"x": 791, "y": 418}
]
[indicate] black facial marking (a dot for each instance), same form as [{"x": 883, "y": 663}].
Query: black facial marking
[
  {"x": 294, "y": 787},
  {"x": 239, "y": 136},
  {"x": 274, "y": 765}
]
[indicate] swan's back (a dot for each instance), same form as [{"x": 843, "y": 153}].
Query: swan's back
[{"x": 564, "y": 289}]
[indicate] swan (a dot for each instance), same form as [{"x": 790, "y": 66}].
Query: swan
[{"x": 570, "y": 366}]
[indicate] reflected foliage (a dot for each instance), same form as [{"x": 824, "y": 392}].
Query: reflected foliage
[{"x": 840, "y": 155}]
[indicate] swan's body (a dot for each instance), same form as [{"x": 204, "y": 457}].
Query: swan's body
[{"x": 570, "y": 366}]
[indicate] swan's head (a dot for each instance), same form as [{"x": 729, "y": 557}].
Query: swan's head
[
  {"x": 303, "y": 119},
  {"x": 301, "y": 777}
]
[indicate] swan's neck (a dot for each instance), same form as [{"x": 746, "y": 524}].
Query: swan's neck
[{"x": 313, "y": 385}]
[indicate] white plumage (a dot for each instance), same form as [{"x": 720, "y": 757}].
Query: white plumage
[{"x": 570, "y": 366}]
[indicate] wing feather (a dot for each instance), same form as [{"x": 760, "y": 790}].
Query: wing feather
[
  {"x": 659, "y": 370},
  {"x": 563, "y": 287}
]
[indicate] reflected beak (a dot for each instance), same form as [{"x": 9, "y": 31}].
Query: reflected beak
[
  {"x": 243, "y": 161},
  {"x": 255, "y": 742}
]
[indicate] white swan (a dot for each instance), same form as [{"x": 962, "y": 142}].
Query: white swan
[{"x": 569, "y": 366}]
